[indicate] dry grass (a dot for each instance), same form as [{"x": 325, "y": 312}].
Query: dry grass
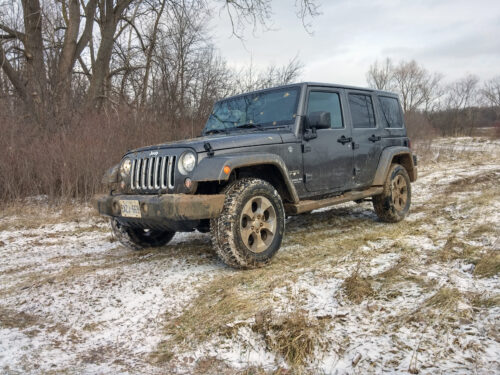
[
  {"x": 357, "y": 288},
  {"x": 14, "y": 319},
  {"x": 480, "y": 181},
  {"x": 236, "y": 296},
  {"x": 488, "y": 265},
  {"x": 294, "y": 336},
  {"x": 480, "y": 230},
  {"x": 438, "y": 311},
  {"x": 69, "y": 162},
  {"x": 391, "y": 280},
  {"x": 455, "y": 248},
  {"x": 480, "y": 300},
  {"x": 445, "y": 300},
  {"x": 25, "y": 215},
  {"x": 29, "y": 323}
]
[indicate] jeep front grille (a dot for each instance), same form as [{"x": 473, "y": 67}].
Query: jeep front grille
[{"x": 152, "y": 173}]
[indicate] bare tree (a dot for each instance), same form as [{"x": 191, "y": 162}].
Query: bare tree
[
  {"x": 380, "y": 75},
  {"x": 45, "y": 44},
  {"x": 257, "y": 13},
  {"x": 109, "y": 15},
  {"x": 457, "y": 116},
  {"x": 491, "y": 92},
  {"x": 462, "y": 93},
  {"x": 250, "y": 78},
  {"x": 418, "y": 88},
  {"x": 31, "y": 78}
]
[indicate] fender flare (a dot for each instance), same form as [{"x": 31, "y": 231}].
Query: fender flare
[
  {"x": 212, "y": 168},
  {"x": 385, "y": 162}
]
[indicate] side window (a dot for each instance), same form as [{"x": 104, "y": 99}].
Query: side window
[
  {"x": 361, "y": 111},
  {"x": 322, "y": 101},
  {"x": 391, "y": 112}
]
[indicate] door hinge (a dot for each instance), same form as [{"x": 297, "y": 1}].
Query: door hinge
[
  {"x": 208, "y": 148},
  {"x": 305, "y": 148},
  {"x": 307, "y": 177},
  {"x": 355, "y": 171},
  {"x": 355, "y": 145}
]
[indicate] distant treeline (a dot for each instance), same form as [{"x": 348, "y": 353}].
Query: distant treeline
[{"x": 433, "y": 108}]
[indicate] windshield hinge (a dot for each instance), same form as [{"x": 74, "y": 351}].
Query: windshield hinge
[{"x": 208, "y": 149}]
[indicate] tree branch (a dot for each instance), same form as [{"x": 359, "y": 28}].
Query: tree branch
[
  {"x": 13, "y": 76},
  {"x": 89, "y": 24},
  {"x": 84, "y": 67},
  {"x": 7, "y": 36},
  {"x": 16, "y": 34},
  {"x": 125, "y": 69}
]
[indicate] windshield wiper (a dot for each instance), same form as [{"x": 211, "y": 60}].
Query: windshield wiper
[
  {"x": 249, "y": 125},
  {"x": 215, "y": 131}
]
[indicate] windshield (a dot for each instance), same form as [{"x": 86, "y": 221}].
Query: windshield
[{"x": 269, "y": 108}]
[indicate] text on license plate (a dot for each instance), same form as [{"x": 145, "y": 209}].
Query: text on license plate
[{"x": 130, "y": 208}]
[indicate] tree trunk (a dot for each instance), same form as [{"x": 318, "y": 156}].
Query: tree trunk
[
  {"x": 149, "y": 54},
  {"x": 36, "y": 85},
  {"x": 110, "y": 16}
]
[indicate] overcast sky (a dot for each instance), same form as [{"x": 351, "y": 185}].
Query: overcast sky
[{"x": 453, "y": 37}]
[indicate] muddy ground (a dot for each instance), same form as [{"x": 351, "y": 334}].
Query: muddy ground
[{"x": 345, "y": 294}]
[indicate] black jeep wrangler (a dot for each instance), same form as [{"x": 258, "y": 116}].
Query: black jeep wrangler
[{"x": 262, "y": 156}]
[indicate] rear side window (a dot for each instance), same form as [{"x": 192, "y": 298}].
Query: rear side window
[
  {"x": 361, "y": 111},
  {"x": 322, "y": 101},
  {"x": 391, "y": 112}
]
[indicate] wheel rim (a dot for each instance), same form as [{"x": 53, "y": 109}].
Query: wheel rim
[
  {"x": 399, "y": 193},
  {"x": 258, "y": 224}
]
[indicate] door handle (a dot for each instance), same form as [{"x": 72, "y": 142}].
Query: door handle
[
  {"x": 344, "y": 140},
  {"x": 374, "y": 138}
]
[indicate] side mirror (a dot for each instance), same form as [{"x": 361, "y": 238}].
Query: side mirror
[{"x": 319, "y": 120}]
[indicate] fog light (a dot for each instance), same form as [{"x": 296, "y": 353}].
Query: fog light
[{"x": 188, "y": 183}]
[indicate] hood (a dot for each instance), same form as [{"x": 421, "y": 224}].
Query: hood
[{"x": 221, "y": 141}]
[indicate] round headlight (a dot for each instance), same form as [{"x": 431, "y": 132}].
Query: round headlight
[
  {"x": 125, "y": 168},
  {"x": 187, "y": 162}
]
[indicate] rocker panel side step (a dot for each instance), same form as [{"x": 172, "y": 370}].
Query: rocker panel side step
[{"x": 309, "y": 205}]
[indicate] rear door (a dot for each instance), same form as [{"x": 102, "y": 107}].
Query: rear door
[
  {"x": 328, "y": 162},
  {"x": 366, "y": 136}
]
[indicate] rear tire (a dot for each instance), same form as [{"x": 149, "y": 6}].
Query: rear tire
[
  {"x": 250, "y": 228},
  {"x": 394, "y": 203},
  {"x": 138, "y": 239}
]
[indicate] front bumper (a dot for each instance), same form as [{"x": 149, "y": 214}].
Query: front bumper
[{"x": 171, "y": 207}]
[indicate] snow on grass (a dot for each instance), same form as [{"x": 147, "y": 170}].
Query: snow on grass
[
  {"x": 90, "y": 301},
  {"x": 74, "y": 300}
]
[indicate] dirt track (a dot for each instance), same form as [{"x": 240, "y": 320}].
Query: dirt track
[{"x": 418, "y": 295}]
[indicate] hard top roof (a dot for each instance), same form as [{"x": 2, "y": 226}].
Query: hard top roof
[{"x": 315, "y": 84}]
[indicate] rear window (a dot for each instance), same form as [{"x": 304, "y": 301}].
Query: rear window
[
  {"x": 391, "y": 112},
  {"x": 361, "y": 111}
]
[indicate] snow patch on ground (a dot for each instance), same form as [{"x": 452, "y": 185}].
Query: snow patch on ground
[{"x": 73, "y": 300}]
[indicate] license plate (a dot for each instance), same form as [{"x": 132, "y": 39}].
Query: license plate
[{"x": 130, "y": 208}]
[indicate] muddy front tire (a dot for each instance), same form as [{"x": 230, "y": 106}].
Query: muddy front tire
[
  {"x": 394, "y": 203},
  {"x": 250, "y": 228},
  {"x": 138, "y": 239}
]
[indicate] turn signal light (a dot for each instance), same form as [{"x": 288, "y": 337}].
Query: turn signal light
[{"x": 227, "y": 169}]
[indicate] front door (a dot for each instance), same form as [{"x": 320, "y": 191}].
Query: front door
[
  {"x": 328, "y": 158},
  {"x": 366, "y": 136}
]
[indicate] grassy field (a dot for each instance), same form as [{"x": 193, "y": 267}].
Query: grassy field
[{"x": 345, "y": 294}]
